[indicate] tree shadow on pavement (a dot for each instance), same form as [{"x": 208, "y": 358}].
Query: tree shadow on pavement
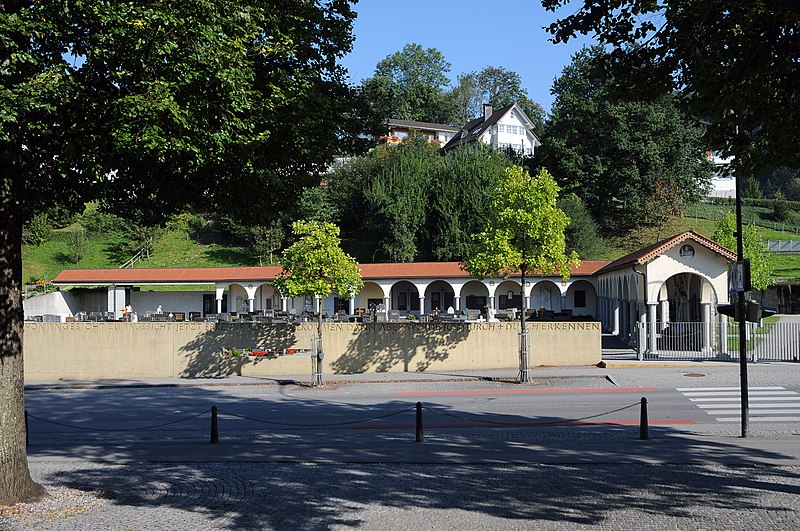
[{"x": 298, "y": 461}]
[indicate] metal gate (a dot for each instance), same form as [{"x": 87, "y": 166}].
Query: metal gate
[{"x": 772, "y": 341}]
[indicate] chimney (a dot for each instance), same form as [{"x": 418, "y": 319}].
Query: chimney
[{"x": 487, "y": 111}]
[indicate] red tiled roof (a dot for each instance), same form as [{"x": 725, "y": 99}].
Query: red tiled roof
[
  {"x": 642, "y": 256},
  {"x": 208, "y": 275}
]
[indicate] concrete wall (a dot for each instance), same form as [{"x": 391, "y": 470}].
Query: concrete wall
[{"x": 152, "y": 350}]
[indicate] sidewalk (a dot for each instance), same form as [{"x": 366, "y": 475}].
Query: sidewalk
[{"x": 507, "y": 374}]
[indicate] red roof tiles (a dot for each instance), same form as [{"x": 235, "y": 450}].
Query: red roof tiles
[{"x": 208, "y": 275}]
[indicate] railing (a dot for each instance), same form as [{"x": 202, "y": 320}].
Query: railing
[
  {"x": 719, "y": 341},
  {"x": 783, "y": 246}
]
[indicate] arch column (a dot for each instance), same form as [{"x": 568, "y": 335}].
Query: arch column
[
  {"x": 457, "y": 303},
  {"x": 723, "y": 335},
  {"x": 615, "y": 317},
  {"x": 707, "y": 334},
  {"x": 652, "y": 321}
]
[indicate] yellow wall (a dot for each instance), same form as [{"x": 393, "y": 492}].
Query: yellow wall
[{"x": 157, "y": 350}]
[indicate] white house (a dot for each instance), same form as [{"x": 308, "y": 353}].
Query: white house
[{"x": 505, "y": 128}]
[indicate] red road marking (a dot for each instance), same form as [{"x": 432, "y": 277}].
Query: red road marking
[{"x": 529, "y": 391}]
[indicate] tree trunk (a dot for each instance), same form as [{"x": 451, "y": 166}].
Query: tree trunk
[{"x": 15, "y": 479}]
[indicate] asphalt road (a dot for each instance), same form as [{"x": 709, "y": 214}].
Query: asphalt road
[{"x": 562, "y": 452}]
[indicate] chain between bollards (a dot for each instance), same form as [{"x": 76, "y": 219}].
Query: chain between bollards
[
  {"x": 214, "y": 426},
  {"x": 419, "y": 422},
  {"x": 643, "y": 427}
]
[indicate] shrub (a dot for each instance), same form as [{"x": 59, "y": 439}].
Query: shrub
[
  {"x": 77, "y": 242},
  {"x": 37, "y": 230}
]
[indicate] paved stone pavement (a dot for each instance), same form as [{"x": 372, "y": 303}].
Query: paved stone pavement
[
  {"x": 513, "y": 496},
  {"x": 181, "y": 491}
]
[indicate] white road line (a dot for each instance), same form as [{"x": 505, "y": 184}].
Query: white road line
[
  {"x": 737, "y": 393},
  {"x": 761, "y": 412},
  {"x": 752, "y": 399},
  {"x": 760, "y": 419},
  {"x": 690, "y": 389},
  {"x": 752, "y": 406}
]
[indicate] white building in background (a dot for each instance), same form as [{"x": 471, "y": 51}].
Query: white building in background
[
  {"x": 723, "y": 183},
  {"x": 505, "y": 128}
]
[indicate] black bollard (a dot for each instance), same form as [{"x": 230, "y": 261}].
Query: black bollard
[
  {"x": 214, "y": 426},
  {"x": 27, "y": 437},
  {"x": 643, "y": 428},
  {"x": 419, "y": 421}
]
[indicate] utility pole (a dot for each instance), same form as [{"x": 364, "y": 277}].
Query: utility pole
[{"x": 741, "y": 309}]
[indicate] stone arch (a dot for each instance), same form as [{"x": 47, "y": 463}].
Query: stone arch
[
  {"x": 581, "y": 298},
  {"x": 439, "y": 296},
  {"x": 546, "y": 294},
  {"x": 474, "y": 296},
  {"x": 370, "y": 297},
  {"x": 683, "y": 295},
  {"x": 404, "y": 298}
]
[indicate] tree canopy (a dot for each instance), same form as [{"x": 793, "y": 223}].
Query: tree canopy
[
  {"x": 525, "y": 229},
  {"x": 413, "y": 203},
  {"x": 150, "y": 107},
  {"x": 733, "y": 64},
  {"x": 315, "y": 264},
  {"x": 754, "y": 248},
  {"x": 410, "y": 85},
  {"x": 497, "y": 86},
  {"x": 631, "y": 161}
]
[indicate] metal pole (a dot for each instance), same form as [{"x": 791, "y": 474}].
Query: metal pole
[
  {"x": 524, "y": 374},
  {"x": 214, "y": 426},
  {"x": 419, "y": 422},
  {"x": 740, "y": 313},
  {"x": 643, "y": 422}
]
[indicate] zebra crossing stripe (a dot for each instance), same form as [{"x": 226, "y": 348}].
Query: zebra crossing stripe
[{"x": 767, "y": 404}]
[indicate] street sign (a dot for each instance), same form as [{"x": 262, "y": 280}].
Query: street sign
[{"x": 739, "y": 276}]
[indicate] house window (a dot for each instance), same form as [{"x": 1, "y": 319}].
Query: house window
[
  {"x": 401, "y": 134},
  {"x": 580, "y": 298}
]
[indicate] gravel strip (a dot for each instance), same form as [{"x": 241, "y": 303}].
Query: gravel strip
[{"x": 60, "y": 503}]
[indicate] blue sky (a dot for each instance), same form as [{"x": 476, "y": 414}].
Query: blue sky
[{"x": 471, "y": 34}]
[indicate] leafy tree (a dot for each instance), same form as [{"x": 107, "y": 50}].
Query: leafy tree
[
  {"x": 150, "y": 108},
  {"x": 76, "y": 245},
  {"x": 621, "y": 156},
  {"x": 266, "y": 239},
  {"x": 397, "y": 197},
  {"x": 497, "y": 86},
  {"x": 753, "y": 247},
  {"x": 583, "y": 234},
  {"x": 751, "y": 189},
  {"x": 413, "y": 203},
  {"x": 410, "y": 85},
  {"x": 525, "y": 234},
  {"x": 315, "y": 204},
  {"x": 140, "y": 238},
  {"x": 37, "y": 230},
  {"x": 461, "y": 196},
  {"x": 742, "y": 79},
  {"x": 316, "y": 265}
]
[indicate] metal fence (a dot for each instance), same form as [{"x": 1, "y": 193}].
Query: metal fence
[
  {"x": 783, "y": 246},
  {"x": 718, "y": 341}
]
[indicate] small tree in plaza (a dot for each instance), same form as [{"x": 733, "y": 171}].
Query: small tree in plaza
[
  {"x": 525, "y": 233},
  {"x": 316, "y": 265}
]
